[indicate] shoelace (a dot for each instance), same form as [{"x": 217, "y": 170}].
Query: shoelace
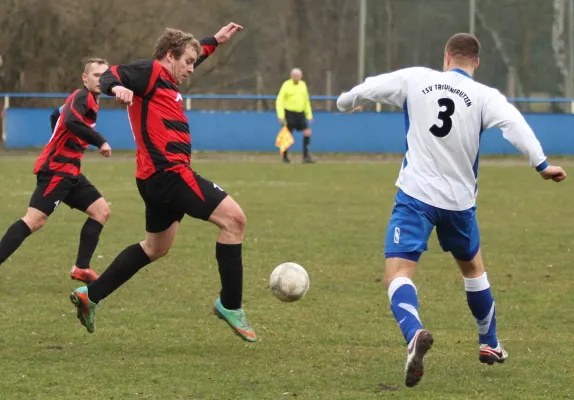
[{"x": 243, "y": 318}]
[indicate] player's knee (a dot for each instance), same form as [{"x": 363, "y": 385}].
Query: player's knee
[
  {"x": 35, "y": 222},
  {"x": 237, "y": 220},
  {"x": 100, "y": 212},
  {"x": 390, "y": 277},
  {"x": 229, "y": 217},
  {"x": 159, "y": 253},
  {"x": 307, "y": 132},
  {"x": 104, "y": 214},
  {"x": 154, "y": 252},
  {"x": 234, "y": 222},
  {"x": 387, "y": 281}
]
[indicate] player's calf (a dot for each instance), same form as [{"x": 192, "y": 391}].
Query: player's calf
[
  {"x": 19, "y": 231},
  {"x": 89, "y": 238},
  {"x": 306, "y": 142},
  {"x": 98, "y": 212},
  {"x": 229, "y": 251},
  {"x": 404, "y": 305},
  {"x": 481, "y": 303},
  {"x": 125, "y": 265}
]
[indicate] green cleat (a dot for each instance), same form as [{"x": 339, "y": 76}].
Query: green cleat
[
  {"x": 237, "y": 320},
  {"x": 86, "y": 308}
]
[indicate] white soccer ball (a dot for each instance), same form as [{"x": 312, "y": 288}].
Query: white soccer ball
[{"x": 289, "y": 282}]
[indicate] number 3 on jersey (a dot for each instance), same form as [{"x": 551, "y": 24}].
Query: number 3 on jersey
[{"x": 444, "y": 116}]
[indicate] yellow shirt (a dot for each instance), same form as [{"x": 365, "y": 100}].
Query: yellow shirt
[{"x": 293, "y": 97}]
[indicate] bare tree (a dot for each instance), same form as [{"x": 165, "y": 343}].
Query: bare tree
[
  {"x": 559, "y": 42},
  {"x": 43, "y": 42}
]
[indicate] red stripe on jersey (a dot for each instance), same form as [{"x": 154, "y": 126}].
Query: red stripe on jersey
[
  {"x": 157, "y": 67},
  {"x": 92, "y": 104},
  {"x": 207, "y": 50},
  {"x": 177, "y": 136},
  {"x": 70, "y": 153},
  {"x": 65, "y": 168},
  {"x": 144, "y": 162},
  {"x": 42, "y": 159},
  {"x": 53, "y": 183},
  {"x": 114, "y": 70}
]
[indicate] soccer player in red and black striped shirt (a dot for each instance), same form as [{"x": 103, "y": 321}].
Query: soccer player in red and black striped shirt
[
  {"x": 59, "y": 177},
  {"x": 167, "y": 184}
]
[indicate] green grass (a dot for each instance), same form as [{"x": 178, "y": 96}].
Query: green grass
[{"x": 156, "y": 337}]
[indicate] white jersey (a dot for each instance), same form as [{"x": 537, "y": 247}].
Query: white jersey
[{"x": 446, "y": 113}]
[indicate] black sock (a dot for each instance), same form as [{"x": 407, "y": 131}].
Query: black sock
[
  {"x": 231, "y": 274},
  {"x": 285, "y": 155},
  {"x": 89, "y": 237},
  {"x": 126, "y": 265},
  {"x": 13, "y": 238},
  {"x": 306, "y": 141}
]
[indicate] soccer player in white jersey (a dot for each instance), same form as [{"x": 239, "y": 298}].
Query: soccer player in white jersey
[{"x": 445, "y": 115}]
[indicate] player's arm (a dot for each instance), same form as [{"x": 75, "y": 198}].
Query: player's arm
[
  {"x": 73, "y": 114},
  {"x": 499, "y": 113},
  {"x": 134, "y": 76},
  {"x": 54, "y": 117},
  {"x": 390, "y": 88},
  {"x": 209, "y": 44},
  {"x": 308, "y": 110},
  {"x": 279, "y": 102}
]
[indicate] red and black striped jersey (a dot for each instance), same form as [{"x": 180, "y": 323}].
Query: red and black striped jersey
[
  {"x": 157, "y": 117},
  {"x": 72, "y": 132}
]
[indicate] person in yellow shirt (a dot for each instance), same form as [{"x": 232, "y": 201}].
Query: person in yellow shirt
[{"x": 294, "y": 110}]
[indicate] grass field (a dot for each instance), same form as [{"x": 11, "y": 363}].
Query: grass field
[{"x": 156, "y": 338}]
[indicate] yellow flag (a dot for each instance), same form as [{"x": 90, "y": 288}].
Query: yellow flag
[{"x": 284, "y": 139}]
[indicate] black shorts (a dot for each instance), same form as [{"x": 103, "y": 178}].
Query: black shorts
[
  {"x": 51, "y": 190},
  {"x": 296, "y": 121},
  {"x": 169, "y": 195}
]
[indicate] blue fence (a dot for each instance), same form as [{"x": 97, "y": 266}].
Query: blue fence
[{"x": 255, "y": 131}]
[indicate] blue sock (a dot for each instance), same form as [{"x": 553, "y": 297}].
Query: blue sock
[
  {"x": 481, "y": 303},
  {"x": 404, "y": 305}
]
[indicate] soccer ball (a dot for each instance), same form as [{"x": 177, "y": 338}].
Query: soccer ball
[{"x": 289, "y": 282}]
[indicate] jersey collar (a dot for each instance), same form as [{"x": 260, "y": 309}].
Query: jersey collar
[
  {"x": 460, "y": 71},
  {"x": 167, "y": 74}
]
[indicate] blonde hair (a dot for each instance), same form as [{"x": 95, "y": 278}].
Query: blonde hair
[{"x": 88, "y": 63}]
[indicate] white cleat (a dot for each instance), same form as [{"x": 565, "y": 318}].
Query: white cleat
[
  {"x": 417, "y": 349},
  {"x": 488, "y": 355}
]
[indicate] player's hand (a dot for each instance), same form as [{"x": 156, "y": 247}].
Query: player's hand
[
  {"x": 123, "y": 95},
  {"x": 227, "y": 31},
  {"x": 310, "y": 120},
  {"x": 105, "y": 150},
  {"x": 557, "y": 174},
  {"x": 281, "y": 121}
]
